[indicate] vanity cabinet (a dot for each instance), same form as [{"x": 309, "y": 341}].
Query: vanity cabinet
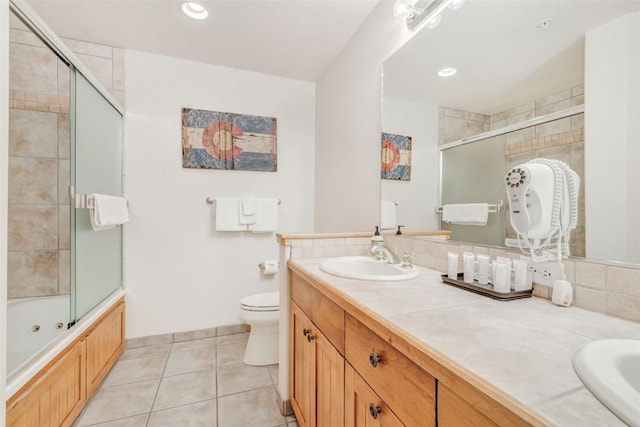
[{"x": 317, "y": 367}]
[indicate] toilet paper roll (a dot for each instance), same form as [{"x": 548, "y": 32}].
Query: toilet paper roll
[{"x": 269, "y": 267}]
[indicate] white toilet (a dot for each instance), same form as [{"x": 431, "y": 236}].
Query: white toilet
[{"x": 262, "y": 313}]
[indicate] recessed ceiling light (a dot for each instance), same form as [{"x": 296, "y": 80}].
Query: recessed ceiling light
[
  {"x": 194, "y": 10},
  {"x": 447, "y": 72}
]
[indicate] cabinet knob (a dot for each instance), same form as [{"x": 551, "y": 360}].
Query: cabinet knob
[
  {"x": 374, "y": 359},
  {"x": 306, "y": 332},
  {"x": 310, "y": 337},
  {"x": 374, "y": 410}
]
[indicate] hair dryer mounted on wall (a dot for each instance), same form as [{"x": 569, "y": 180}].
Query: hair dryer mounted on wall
[{"x": 543, "y": 206}]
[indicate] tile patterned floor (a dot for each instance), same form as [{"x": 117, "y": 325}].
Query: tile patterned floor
[{"x": 199, "y": 383}]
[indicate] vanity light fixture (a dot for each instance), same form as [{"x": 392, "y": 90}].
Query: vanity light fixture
[
  {"x": 428, "y": 16},
  {"x": 447, "y": 72},
  {"x": 194, "y": 10}
]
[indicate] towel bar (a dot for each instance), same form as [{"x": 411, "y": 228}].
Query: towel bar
[
  {"x": 84, "y": 201},
  {"x": 493, "y": 208},
  {"x": 212, "y": 200}
]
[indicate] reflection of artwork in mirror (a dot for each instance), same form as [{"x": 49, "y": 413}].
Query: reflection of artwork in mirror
[{"x": 396, "y": 157}]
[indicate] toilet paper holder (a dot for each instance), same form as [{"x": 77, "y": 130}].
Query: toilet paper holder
[{"x": 269, "y": 266}]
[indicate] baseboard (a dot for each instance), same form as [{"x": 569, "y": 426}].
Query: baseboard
[
  {"x": 285, "y": 406},
  {"x": 153, "y": 340}
]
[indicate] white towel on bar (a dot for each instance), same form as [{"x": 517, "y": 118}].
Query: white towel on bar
[
  {"x": 108, "y": 212},
  {"x": 466, "y": 213},
  {"x": 267, "y": 216},
  {"x": 227, "y": 214},
  {"x": 388, "y": 215},
  {"x": 247, "y": 210}
]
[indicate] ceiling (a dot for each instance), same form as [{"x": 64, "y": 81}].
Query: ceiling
[
  {"x": 296, "y": 39},
  {"x": 503, "y": 59}
]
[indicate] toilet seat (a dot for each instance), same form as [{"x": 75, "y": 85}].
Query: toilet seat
[{"x": 266, "y": 301}]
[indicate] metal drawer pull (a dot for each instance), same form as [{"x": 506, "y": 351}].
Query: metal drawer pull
[
  {"x": 310, "y": 337},
  {"x": 306, "y": 332},
  {"x": 374, "y": 359},
  {"x": 374, "y": 410}
]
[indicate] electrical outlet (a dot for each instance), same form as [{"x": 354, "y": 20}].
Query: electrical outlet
[{"x": 545, "y": 273}]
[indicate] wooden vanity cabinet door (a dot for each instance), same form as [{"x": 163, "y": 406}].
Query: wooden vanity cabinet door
[
  {"x": 302, "y": 377},
  {"x": 329, "y": 384},
  {"x": 454, "y": 411},
  {"x": 363, "y": 407}
]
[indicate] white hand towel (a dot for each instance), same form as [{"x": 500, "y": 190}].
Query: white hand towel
[
  {"x": 108, "y": 212},
  {"x": 388, "y": 215},
  {"x": 267, "y": 216},
  {"x": 466, "y": 213},
  {"x": 247, "y": 210},
  {"x": 227, "y": 214}
]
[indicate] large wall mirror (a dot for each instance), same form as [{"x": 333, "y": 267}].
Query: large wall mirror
[{"x": 535, "y": 78}]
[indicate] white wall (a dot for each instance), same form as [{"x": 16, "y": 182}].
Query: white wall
[
  {"x": 4, "y": 147},
  {"x": 417, "y": 199},
  {"x": 612, "y": 133},
  {"x": 181, "y": 274},
  {"x": 348, "y": 126}
]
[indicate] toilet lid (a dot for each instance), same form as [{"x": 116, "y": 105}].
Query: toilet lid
[{"x": 266, "y": 301}]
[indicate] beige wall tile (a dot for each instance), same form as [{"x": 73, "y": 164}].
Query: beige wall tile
[
  {"x": 577, "y": 90},
  {"x": 577, "y": 121},
  {"x": 498, "y": 117},
  {"x": 453, "y": 129},
  {"x": 591, "y": 299},
  {"x": 86, "y": 48},
  {"x": 498, "y": 124},
  {"x": 64, "y": 180},
  {"x": 32, "y": 273},
  {"x": 590, "y": 275},
  {"x": 194, "y": 335},
  {"x": 473, "y": 127},
  {"x": 519, "y": 118},
  {"x": 24, "y": 36},
  {"x": 440, "y": 264},
  {"x": 64, "y": 224},
  {"x": 570, "y": 270},
  {"x": 101, "y": 68},
  {"x": 577, "y": 100},
  {"x": 553, "y": 107},
  {"x": 528, "y": 134},
  {"x": 554, "y": 127},
  {"x": 32, "y": 180},
  {"x": 149, "y": 341},
  {"x": 529, "y": 107},
  {"x": 33, "y": 69},
  {"x": 554, "y": 98},
  {"x": 33, "y": 227},
  {"x": 32, "y": 133},
  {"x": 232, "y": 329},
  {"x": 120, "y": 97},
  {"x": 64, "y": 137},
  {"x": 64, "y": 272},
  {"x": 624, "y": 306},
  {"x": 63, "y": 79},
  {"x": 623, "y": 280}
]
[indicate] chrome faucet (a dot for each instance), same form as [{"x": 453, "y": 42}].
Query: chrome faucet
[{"x": 382, "y": 253}]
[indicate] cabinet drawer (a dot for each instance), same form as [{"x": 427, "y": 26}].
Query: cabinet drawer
[
  {"x": 454, "y": 411},
  {"x": 363, "y": 407},
  {"x": 404, "y": 386},
  {"x": 326, "y": 314}
]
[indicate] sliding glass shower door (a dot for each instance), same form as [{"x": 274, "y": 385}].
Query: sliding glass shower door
[{"x": 96, "y": 167}]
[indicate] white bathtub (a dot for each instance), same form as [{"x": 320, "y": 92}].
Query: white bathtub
[
  {"x": 23, "y": 364},
  {"x": 32, "y": 323}
]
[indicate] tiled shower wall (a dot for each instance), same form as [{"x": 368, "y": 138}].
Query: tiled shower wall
[
  {"x": 560, "y": 139},
  {"x": 39, "y": 158},
  {"x": 609, "y": 288}
]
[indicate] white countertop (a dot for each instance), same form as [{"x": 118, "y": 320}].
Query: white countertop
[{"x": 523, "y": 347}]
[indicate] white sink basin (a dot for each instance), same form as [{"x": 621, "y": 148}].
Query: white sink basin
[
  {"x": 366, "y": 268},
  {"x": 611, "y": 370}
]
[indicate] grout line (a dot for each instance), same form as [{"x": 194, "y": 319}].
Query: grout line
[{"x": 164, "y": 368}]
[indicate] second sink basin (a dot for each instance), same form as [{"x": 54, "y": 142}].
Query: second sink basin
[
  {"x": 366, "y": 268},
  {"x": 611, "y": 371}
]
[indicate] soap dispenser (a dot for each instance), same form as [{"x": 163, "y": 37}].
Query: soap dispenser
[{"x": 376, "y": 241}]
